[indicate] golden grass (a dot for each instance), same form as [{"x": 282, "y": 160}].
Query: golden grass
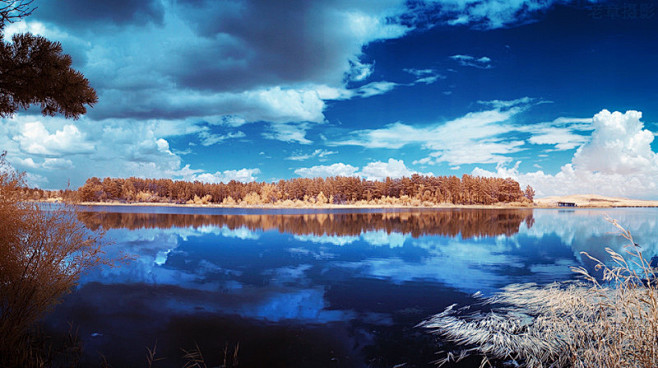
[{"x": 607, "y": 323}]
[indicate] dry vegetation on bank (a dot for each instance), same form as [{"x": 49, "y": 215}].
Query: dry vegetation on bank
[
  {"x": 43, "y": 253},
  {"x": 333, "y": 192},
  {"x": 608, "y": 322}
]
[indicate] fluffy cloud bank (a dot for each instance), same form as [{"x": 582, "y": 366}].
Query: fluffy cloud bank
[
  {"x": 242, "y": 175},
  {"x": 617, "y": 161},
  {"x": 168, "y": 60},
  {"x": 55, "y": 150},
  {"x": 34, "y": 138},
  {"x": 337, "y": 169},
  {"x": 377, "y": 170}
]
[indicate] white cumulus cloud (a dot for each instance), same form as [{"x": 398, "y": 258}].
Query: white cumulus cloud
[
  {"x": 242, "y": 175},
  {"x": 619, "y": 145},
  {"x": 616, "y": 161},
  {"x": 377, "y": 170},
  {"x": 53, "y": 150},
  {"x": 381, "y": 170},
  {"x": 34, "y": 138},
  {"x": 337, "y": 169}
]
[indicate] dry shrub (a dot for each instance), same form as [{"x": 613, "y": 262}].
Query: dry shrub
[
  {"x": 43, "y": 252},
  {"x": 322, "y": 199},
  {"x": 252, "y": 198},
  {"x": 612, "y": 323},
  {"x": 200, "y": 200},
  {"x": 229, "y": 201},
  {"x": 286, "y": 203},
  {"x": 144, "y": 196}
]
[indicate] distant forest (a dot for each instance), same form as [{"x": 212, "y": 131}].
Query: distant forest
[{"x": 417, "y": 190}]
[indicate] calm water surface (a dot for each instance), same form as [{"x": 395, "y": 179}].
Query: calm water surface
[{"x": 318, "y": 288}]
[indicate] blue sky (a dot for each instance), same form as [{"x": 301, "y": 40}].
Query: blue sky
[{"x": 556, "y": 94}]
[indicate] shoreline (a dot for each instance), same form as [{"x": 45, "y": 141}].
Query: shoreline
[
  {"x": 301, "y": 207},
  {"x": 538, "y": 204}
]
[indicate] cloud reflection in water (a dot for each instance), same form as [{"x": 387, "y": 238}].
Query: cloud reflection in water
[{"x": 362, "y": 272}]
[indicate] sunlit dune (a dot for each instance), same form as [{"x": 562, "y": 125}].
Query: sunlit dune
[{"x": 594, "y": 200}]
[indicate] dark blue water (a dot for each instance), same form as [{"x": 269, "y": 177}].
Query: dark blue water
[{"x": 315, "y": 288}]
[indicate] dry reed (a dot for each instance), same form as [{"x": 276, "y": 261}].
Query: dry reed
[
  {"x": 607, "y": 322},
  {"x": 194, "y": 358}
]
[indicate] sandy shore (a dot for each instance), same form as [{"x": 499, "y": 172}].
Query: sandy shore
[
  {"x": 594, "y": 201},
  {"x": 304, "y": 206},
  {"x": 581, "y": 200}
]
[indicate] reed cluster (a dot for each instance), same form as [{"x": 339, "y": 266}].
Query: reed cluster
[{"x": 606, "y": 321}]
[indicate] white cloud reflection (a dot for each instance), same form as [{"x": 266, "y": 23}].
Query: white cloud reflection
[
  {"x": 376, "y": 238},
  {"x": 588, "y": 231},
  {"x": 277, "y": 283}
]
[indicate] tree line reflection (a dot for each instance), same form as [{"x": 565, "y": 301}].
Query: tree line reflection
[{"x": 467, "y": 223}]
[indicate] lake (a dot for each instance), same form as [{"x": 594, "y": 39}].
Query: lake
[{"x": 315, "y": 288}]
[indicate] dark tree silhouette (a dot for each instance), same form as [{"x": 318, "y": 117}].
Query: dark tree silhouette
[{"x": 34, "y": 70}]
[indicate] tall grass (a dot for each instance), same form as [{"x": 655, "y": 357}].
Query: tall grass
[
  {"x": 194, "y": 358},
  {"x": 611, "y": 321}
]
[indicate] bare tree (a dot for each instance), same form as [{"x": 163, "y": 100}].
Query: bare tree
[{"x": 13, "y": 10}]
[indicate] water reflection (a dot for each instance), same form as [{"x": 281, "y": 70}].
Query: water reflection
[
  {"x": 466, "y": 223},
  {"x": 588, "y": 231},
  {"x": 355, "y": 282}
]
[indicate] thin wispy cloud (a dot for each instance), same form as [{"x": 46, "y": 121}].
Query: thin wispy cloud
[
  {"x": 425, "y": 76},
  {"x": 562, "y": 133},
  {"x": 209, "y": 139},
  {"x": 477, "y": 137},
  {"x": 484, "y": 137},
  {"x": 320, "y": 154},
  {"x": 482, "y": 62},
  {"x": 480, "y": 14}
]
